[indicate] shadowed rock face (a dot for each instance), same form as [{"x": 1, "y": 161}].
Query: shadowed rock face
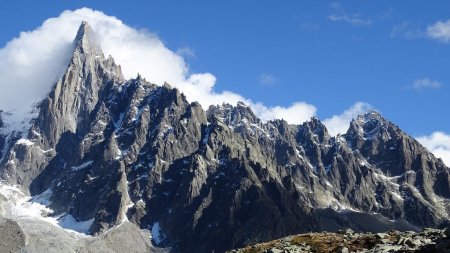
[{"x": 218, "y": 179}]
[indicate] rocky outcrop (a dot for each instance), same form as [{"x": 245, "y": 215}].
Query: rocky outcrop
[
  {"x": 114, "y": 150},
  {"x": 428, "y": 240}
]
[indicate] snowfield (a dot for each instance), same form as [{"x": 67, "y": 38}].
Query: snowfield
[{"x": 62, "y": 233}]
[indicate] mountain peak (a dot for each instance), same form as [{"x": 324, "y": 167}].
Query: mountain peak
[
  {"x": 368, "y": 126},
  {"x": 232, "y": 115},
  {"x": 369, "y": 116},
  {"x": 85, "y": 41},
  {"x": 369, "y": 122},
  {"x": 111, "y": 152}
]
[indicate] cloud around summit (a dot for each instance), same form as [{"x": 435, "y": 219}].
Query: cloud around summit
[{"x": 31, "y": 63}]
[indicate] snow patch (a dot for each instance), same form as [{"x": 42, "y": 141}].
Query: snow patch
[
  {"x": 396, "y": 195},
  {"x": 25, "y": 142},
  {"x": 156, "y": 234},
  {"x": 120, "y": 154},
  {"x": 140, "y": 202},
  {"x": 388, "y": 180},
  {"x": 36, "y": 133},
  {"x": 68, "y": 222},
  {"x": 328, "y": 183},
  {"x": 339, "y": 207},
  {"x": 82, "y": 166},
  {"x": 20, "y": 206},
  {"x": 45, "y": 151},
  {"x": 297, "y": 152},
  {"x": 18, "y": 121}
]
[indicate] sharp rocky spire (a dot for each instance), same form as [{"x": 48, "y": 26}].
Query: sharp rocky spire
[{"x": 85, "y": 41}]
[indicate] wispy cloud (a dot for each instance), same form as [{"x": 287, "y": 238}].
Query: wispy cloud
[
  {"x": 309, "y": 25},
  {"x": 267, "y": 80},
  {"x": 408, "y": 30},
  {"x": 341, "y": 15},
  {"x": 186, "y": 52},
  {"x": 426, "y": 83},
  {"x": 387, "y": 14},
  {"x": 437, "y": 143},
  {"x": 440, "y": 31}
]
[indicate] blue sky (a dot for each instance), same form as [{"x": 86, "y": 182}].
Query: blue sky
[{"x": 329, "y": 54}]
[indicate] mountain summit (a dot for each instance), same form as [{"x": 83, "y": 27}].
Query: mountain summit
[
  {"x": 85, "y": 40},
  {"x": 108, "y": 151}
]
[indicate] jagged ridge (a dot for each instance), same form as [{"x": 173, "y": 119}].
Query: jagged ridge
[{"x": 112, "y": 150}]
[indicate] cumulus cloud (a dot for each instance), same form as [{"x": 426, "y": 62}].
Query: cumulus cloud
[
  {"x": 339, "y": 124},
  {"x": 440, "y": 31},
  {"x": 297, "y": 113},
  {"x": 340, "y": 15},
  {"x": 31, "y": 63},
  {"x": 437, "y": 143},
  {"x": 426, "y": 83}
]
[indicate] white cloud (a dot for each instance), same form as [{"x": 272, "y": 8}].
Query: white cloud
[
  {"x": 339, "y": 124},
  {"x": 31, "y": 63},
  {"x": 267, "y": 79},
  {"x": 437, "y": 143},
  {"x": 426, "y": 83},
  {"x": 297, "y": 113},
  {"x": 341, "y": 15},
  {"x": 440, "y": 31}
]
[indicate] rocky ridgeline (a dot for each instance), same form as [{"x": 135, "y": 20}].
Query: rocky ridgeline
[
  {"x": 347, "y": 241},
  {"x": 108, "y": 150}
]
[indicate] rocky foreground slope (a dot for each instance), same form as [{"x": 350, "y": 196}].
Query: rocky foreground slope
[
  {"x": 346, "y": 241},
  {"x": 107, "y": 151}
]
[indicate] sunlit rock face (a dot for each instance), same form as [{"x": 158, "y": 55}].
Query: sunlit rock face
[{"x": 109, "y": 151}]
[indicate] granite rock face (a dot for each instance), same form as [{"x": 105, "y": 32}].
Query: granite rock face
[{"x": 114, "y": 150}]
